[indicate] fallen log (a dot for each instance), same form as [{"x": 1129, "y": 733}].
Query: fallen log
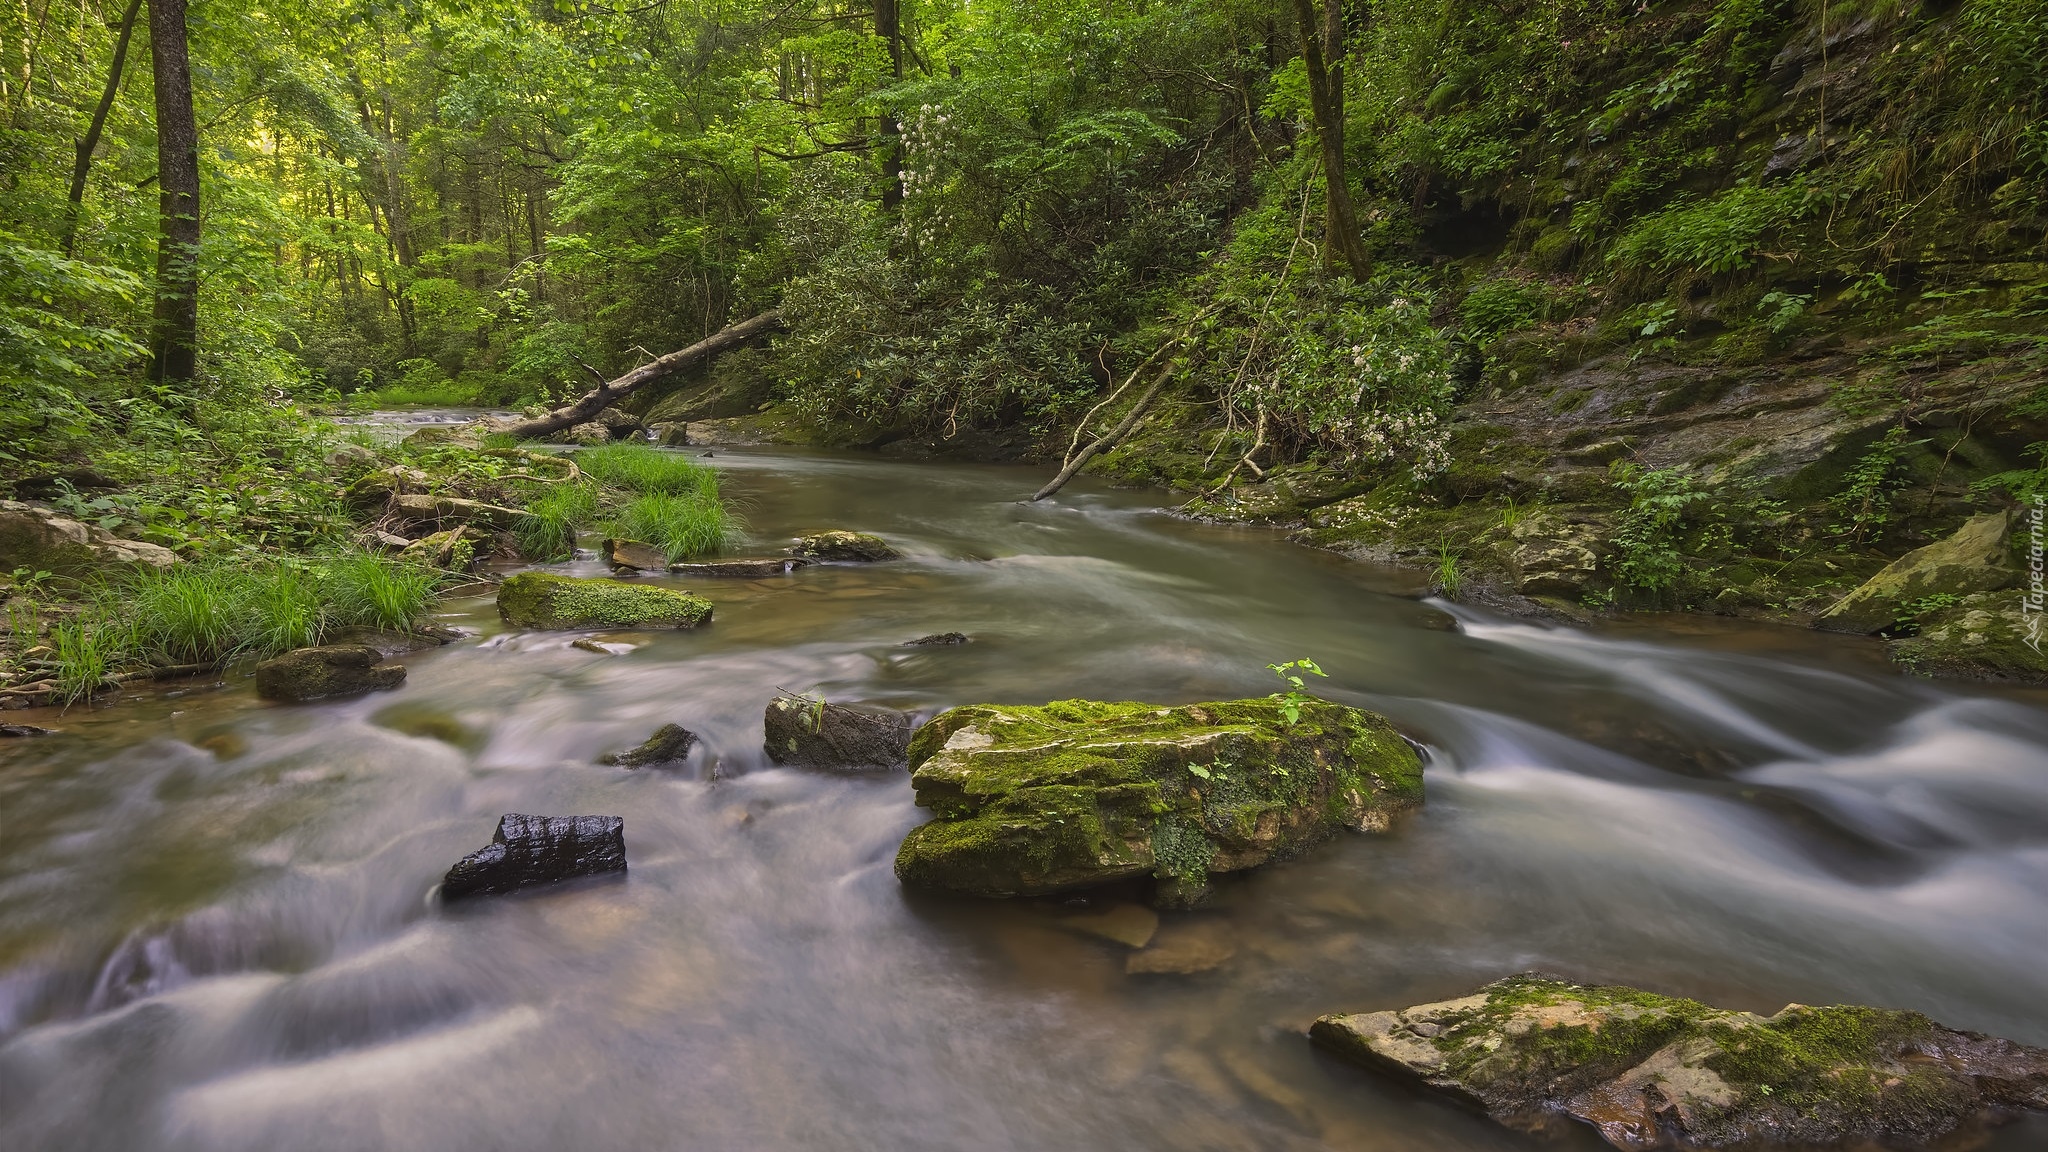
[{"x": 586, "y": 407}]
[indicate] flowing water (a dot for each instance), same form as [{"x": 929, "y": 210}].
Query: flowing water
[{"x": 217, "y": 930}]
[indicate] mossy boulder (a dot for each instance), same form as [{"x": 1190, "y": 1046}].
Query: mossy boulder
[
  {"x": 1074, "y": 794},
  {"x": 1977, "y": 558},
  {"x": 541, "y": 600},
  {"x": 858, "y": 547},
  {"x": 807, "y": 732},
  {"x": 1652, "y": 1071},
  {"x": 1989, "y": 636}
]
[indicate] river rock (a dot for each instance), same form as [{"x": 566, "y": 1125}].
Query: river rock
[
  {"x": 542, "y": 600},
  {"x": 1077, "y": 793},
  {"x": 41, "y": 540},
  {"x": 670, "y": 434},
  {"x": 846, "y": 546},
  {"x": 634, "y": 556},
  {"x": 670, "y": 743},
  {"x": 24, "y": 730},
  {"x": 1651, "y": 1071},
  {"x": 586, "y": 435},
  {"x": 808, "y": 733},
  {"x": 329, "y": 670},
  {"x": 1993, "y": 636},
  {"x": 533, "y": 850},
  {"x": 1975, "y": 559},
  {"x": 421, "y": 508},
  {"x": 937, "y": 639},
  {"x": 751, "y": 568},
  {"x": 374, "y": 490}
]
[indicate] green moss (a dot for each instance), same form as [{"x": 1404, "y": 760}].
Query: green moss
[
  {"x": 1075, "y": 793},
  {"x": 540, "y": 600}
]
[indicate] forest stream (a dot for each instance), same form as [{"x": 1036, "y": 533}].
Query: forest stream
[{"x": 218, "y": 927}]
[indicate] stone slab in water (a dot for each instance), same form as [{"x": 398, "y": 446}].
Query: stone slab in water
[
  {"x": 543, "y": 600},
  {"x": 1078, "y": 793},
  {"x": 749, "y": 568},
  {"x": 1650, "y": 1071},
  {"x": 807, "y": 733},
  {"x": 670, "y": 743},
  {"x": 534, "y": 850},
  {"x": 634, "y": 555},
  {"x": 328, "y": 670}
]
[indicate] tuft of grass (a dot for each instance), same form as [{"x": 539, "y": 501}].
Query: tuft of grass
[
  {"x": 681, "y": 526},
  {"x": 1450, "y": 580},
  {"x": 365, "y": 590},
  {"x": 85, "y": 652},
  {"x": 281, "y": 610},
  {"x": 548, "y": 530},
  {"x": 183, "y": 615},
  {"x": 648, "y": 471}
]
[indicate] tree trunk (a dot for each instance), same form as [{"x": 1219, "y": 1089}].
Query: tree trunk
[
  {"x": 888, "y": 25},
  {"x": 1322, "y": 48},
  {"x": 87, "y": 146},
  {"x": 174, "y": 332},
  {"x": 612, "y": 391}
]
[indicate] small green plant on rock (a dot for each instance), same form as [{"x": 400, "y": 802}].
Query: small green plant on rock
[
  {"x": 1646, "y": 536},
  {"x": 1295, "y": 696},
  {"x": 1864, "y": 505}
]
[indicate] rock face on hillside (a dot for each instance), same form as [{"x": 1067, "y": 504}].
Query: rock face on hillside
[
  {"x": 846, "y": 546},
  {"x": 540, "y": 600},
  {"x": 1975, "y": 559},
  {"x": 330, "y": 670},
  {"x": 41, "y": 540},
  {"x": 1653, "y": 1071},
  {"x": 809, "y": 733},
  {"x": 533, "y": 850},
  {"x": 1073, "y": 794}
]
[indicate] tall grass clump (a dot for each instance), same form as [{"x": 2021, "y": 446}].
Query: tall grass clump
[
  {"x": 548, "y": 530},
  {"x": 681, "y": 526},
  {"x": 648, "y": 471},
  {"x": 364, "y": 590},
  {"x": 86, "y": 650}
]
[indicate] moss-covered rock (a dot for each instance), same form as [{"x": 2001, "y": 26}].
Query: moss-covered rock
[
  {"x": 1988, "y": 636},
  {"x": 1650, "y": 1071},
  {"x": 856, "y": 547},
  {"x": 1073, "y": 794},
  {"x": 1976, "y": 559},
  {"x": 540, "y": 600},
  {"x": 807, "y": 732}
]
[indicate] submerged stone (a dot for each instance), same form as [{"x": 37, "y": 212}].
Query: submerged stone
[
  {"x": 329, "y": 670},
  {"x": 533, "y": 850},
  {"x": 541, "y": 600},
  {"x": 846, "y": 546},
  {"x": 1077, "y": 793},
  {"x": 1651, "y": 1071},
  {"x": 809, "y": 733},
  {"x": 744, "y": 569},
  {"x": 670, "y": 742}
]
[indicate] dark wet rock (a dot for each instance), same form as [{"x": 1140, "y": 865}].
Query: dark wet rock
[
  {"x": 937, "y": 639},
  {"x": 1977, "y": 558},
  {"x": 670, "y": 743},
  {"x": 42, "y": 540},
  {"x": 808, "y": 733},
  {"x": 1077, "y": 793},
  {"x": 859, "y": 547},
  {"x": 670, "y": 434},
  {"x": 541, "y": 600},
  {"x": 743, "y": 569},
  {"x": 329, "y": 670},
  {"x": 634, "y": 556},
  {"x": 24, "y": 730},
  {"x": 533, "y": 850},
  {"x": 1652, "y": 1071}
]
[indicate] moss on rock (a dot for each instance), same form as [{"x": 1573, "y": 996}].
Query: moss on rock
[
  {"x": 1650, "y": 1070},
  {"x": 540, "y": 600},
  {"x": 1078, "y": 793},
  {"x": 1988, "y": 636}
]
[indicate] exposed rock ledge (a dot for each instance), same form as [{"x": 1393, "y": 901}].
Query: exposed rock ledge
[{"x": 1652, "y": 1071}]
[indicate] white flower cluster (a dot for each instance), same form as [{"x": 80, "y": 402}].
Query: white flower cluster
[{"x": 924, "y": 145}]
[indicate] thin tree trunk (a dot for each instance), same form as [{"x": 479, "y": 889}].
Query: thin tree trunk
[
  {"x": 174, "y": 333},
  {"x": 87, "y": 146},
  {"x": 1322, "y": 47},
  {"x": 888, "y": 25},
  {"x": 612, "y": 391}
]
